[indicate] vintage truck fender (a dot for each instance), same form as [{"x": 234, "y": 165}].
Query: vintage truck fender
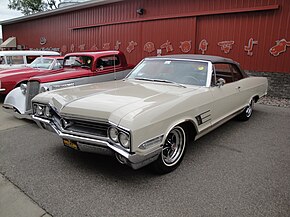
[{"x": 15, "y": 104}]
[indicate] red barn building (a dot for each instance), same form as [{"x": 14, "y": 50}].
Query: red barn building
[{"x": 252, "y": 32}]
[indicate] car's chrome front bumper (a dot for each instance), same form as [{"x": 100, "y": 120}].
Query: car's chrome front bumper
[{"x": 98, "y": 146}]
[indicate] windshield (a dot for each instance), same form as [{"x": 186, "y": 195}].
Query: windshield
[
  {"x": 175, "y": 71},
  {"x": 83, "y": 61},
  {"x": 41, "y": 63}
]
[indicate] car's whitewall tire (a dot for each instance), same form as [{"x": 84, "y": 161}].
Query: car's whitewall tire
[{"x": 172, "y": 152}]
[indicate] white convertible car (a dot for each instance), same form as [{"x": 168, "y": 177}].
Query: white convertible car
[{"x": 164, "y": 104}]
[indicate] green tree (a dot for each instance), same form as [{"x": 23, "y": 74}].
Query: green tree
[{"x": 32, "y": 6}]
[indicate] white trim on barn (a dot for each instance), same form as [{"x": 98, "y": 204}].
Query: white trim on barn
[{"x": 10, "y": 42}]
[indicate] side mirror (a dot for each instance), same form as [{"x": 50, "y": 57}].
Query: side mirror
[{"x": 220, "y": 82}]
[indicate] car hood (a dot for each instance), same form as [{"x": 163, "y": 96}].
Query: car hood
[
  {"x": 61, "y": 74},
  {"x": 17, "y": 72},
  {"x": 111, "y": 101}
]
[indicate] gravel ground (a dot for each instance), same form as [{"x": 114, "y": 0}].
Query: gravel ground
[{"x": 275, "y": 101}]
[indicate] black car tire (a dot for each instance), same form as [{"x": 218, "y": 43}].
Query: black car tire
[
  {"x": 247, "y": 112},
  {"x": 172, "y": 152}
]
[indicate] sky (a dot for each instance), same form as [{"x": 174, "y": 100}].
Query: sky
[{"x": 6, "y": 14}]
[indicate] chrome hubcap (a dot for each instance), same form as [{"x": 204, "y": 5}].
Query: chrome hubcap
[
  {"x": 249, "y": 109},
  {"x": 174, "y": 146}
]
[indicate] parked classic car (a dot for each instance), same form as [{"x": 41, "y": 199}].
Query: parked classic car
[
  {"x": 78, "y": 68},
  {"x": 19, "y": 58},
  {"x": 163, "y": 105},
  {"x": 11, "y": 78}
]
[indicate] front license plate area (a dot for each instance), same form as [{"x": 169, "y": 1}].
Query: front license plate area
[{"x": 70, "y": 144}]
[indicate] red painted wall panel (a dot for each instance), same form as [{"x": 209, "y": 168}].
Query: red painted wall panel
[
  {"x": 264, "y": 27},
  {"x": 172, "y": 21}
]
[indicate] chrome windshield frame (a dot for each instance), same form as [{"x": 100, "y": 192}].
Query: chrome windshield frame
[{"x": 209, "y": 70}]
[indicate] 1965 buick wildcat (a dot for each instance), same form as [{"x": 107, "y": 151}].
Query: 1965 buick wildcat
[{"x": 164, "y": 104}]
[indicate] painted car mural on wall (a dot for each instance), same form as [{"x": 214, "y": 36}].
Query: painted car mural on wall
[{"x": 162, "y": 106}]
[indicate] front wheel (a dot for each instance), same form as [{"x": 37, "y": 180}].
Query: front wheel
[
  {"x": 247, "y": 112},
  {"x": 172, "y": 151}
]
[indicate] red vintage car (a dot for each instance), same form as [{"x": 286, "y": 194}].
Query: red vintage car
[
  {"x": 11, "y": 78},
  {"x": 78, "y": 68}
]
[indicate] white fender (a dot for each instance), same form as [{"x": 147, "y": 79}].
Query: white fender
[{"x": 15, "y": 101}]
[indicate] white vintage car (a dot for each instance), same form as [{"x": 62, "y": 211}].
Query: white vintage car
[
  {"x": 164, "y": 104},
  {"x": 20, "y": 58}
]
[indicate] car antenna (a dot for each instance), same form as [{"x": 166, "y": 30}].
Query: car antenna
[{"x": 115, "y": 77}]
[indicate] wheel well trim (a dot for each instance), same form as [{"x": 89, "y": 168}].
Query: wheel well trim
[
  {"x": 179, "y": 122},
  {"x": 255, "y": 98}
]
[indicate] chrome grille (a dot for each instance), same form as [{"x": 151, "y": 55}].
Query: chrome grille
[
  {"x": 86, "y": 127},
  {"x": 32, "y": 91}
]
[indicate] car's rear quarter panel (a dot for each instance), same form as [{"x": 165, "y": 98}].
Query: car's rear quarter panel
[{"x": 252, "y": 87}]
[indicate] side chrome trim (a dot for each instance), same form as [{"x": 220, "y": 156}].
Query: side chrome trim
[
  {"x": 217, "y": 124},
  {"x": 156, "y": 138},
  {"x": 203, "y": 117},
  {"x": 178, "y": 123}
]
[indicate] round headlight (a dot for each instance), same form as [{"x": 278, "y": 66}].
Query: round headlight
[
  {"x": 23, "y": 88},
  {"x": 39, "y": 110},
  {"x": 113, "y": 134},
  {"x": 124, "y": 140},
  {"x": 43, "y": 89},
  {"x": 47, "y": 112}
]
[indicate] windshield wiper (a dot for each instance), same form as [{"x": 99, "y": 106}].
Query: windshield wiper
[
  {"x": 160, "y": 80},
  {"x": 169, "y": 82},
  {"x": 143, "y": 79}
]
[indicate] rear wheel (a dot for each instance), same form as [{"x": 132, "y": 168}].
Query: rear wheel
[
  {"x": 247, "y": 112},
  {"x": 172, "y": 152}
]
